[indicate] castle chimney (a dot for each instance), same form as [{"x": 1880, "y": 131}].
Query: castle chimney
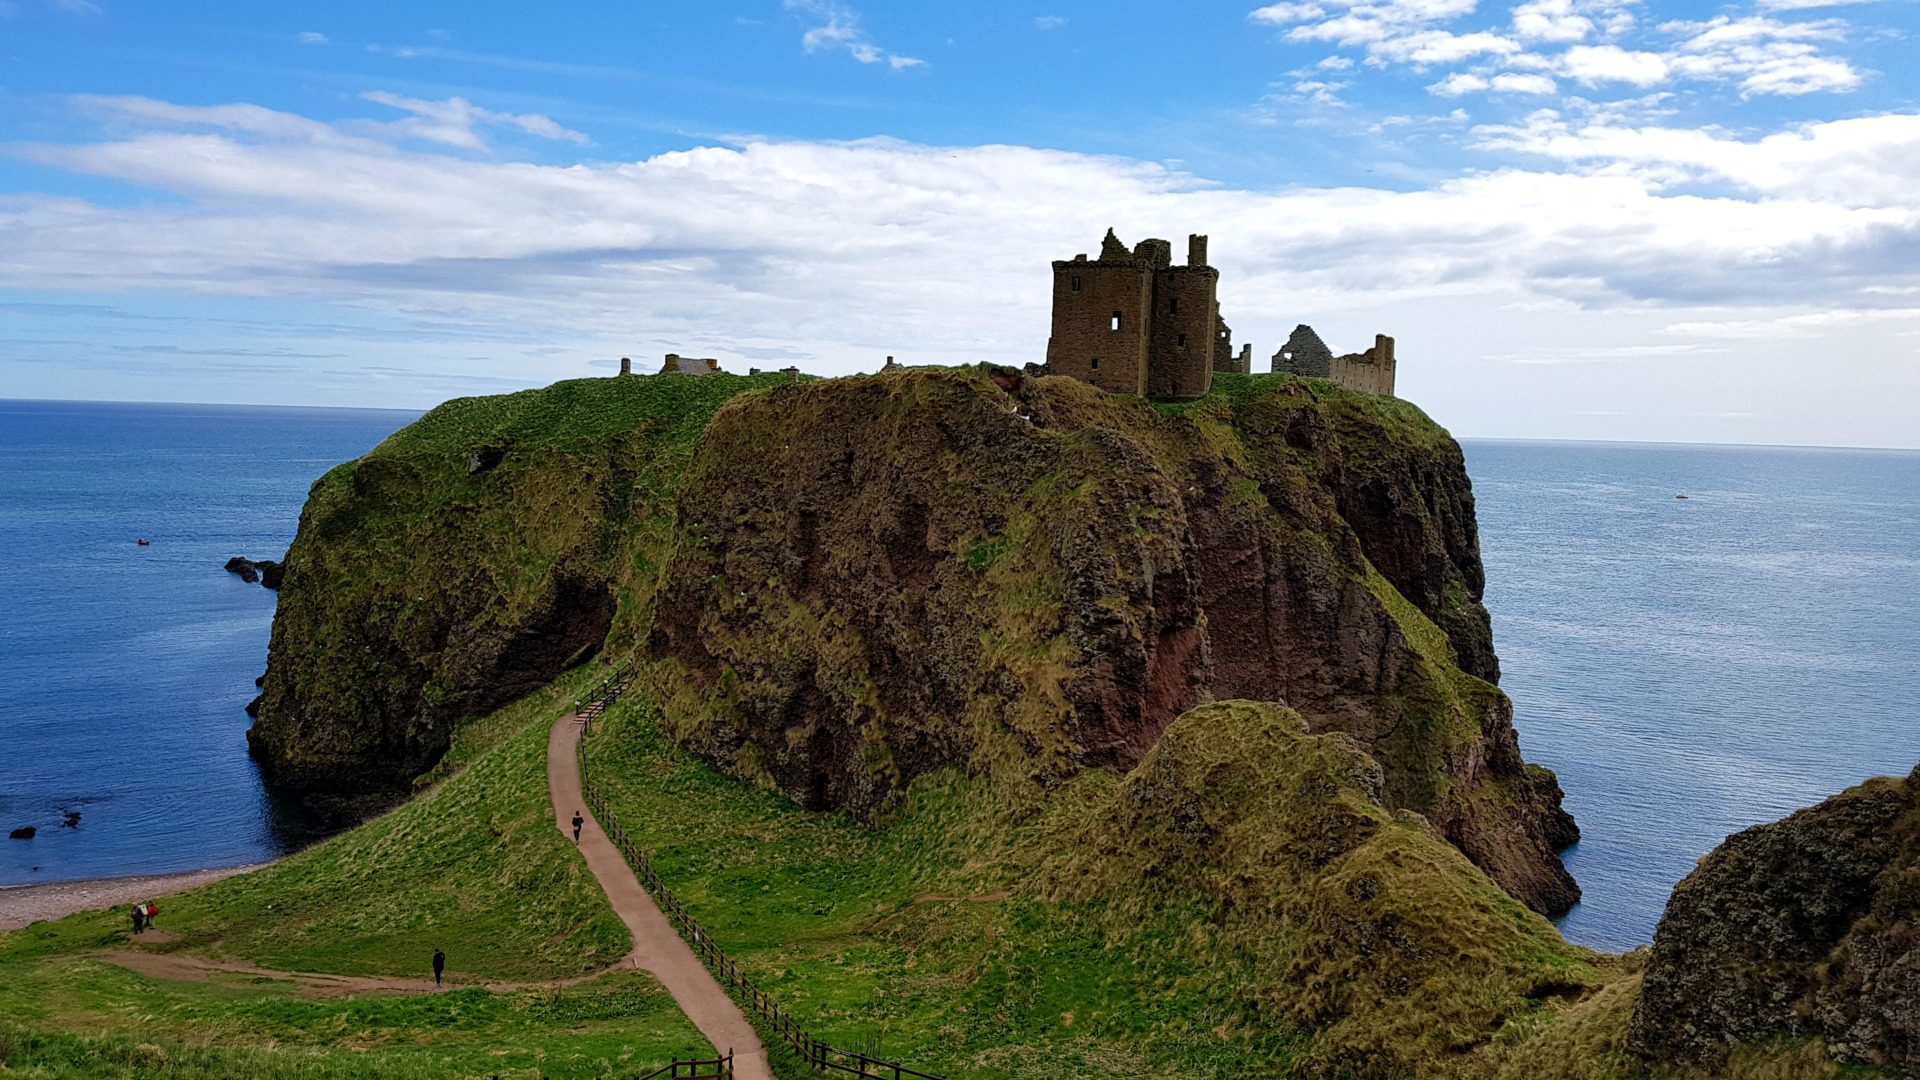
[
  {"x": 1196, "y": 249},
  {"x": 626, "y": 365},
  {"x": 672, "y": 364}
]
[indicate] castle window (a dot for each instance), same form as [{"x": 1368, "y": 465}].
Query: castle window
[
  {"x": 1173, "y": 306},
  {"x": 1182, "y": 341},
  {"x": 1095, "y": 365},
  {"x": 1076, "y": 284},
  {"x": 1114, "y": 323}
]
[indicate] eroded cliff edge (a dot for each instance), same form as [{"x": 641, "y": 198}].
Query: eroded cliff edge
[{"x": 837, "y": 586}]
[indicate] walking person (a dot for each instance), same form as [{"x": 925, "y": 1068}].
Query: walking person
[
  {"x": 577, "y": 822},
  {"x": 139, "y": 917},
  {"x": 153, "y": 914},
  {"x": 439, "y": 965}
]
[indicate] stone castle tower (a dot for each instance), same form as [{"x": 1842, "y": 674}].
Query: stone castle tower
[{"x": 1131, "y": 322}]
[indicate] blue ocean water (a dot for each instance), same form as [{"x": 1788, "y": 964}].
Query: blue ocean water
[
  {"x": 1692, "y": 667},
  {"x": 125, "y": 670},
  {"x": 1689, "y": 667}
]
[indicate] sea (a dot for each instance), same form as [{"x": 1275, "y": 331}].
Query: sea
[{"x": 1689, "y": 666}]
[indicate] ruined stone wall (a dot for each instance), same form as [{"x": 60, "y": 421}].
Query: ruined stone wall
[
  {"x": 1087, "y": 296},
  {"x": 1304, "y": 354},
  {"x": 1185, "y": 315},
  {"x": 1222, "y": 342},
  {"x": 1371, "y": 371}
]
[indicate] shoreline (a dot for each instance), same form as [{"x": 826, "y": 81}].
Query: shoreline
[{"x": 24, "y": 905}]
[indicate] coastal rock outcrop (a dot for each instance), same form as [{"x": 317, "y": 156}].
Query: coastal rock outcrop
[
  {"x": 266, "y": 572},
  {"x": 1039, "y": 585},
  {"x": 836, "y": 586},
  {"x": 1809, "y": 926}
]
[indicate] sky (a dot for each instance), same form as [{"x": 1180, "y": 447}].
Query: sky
[{"x": 1666, "y": 220}]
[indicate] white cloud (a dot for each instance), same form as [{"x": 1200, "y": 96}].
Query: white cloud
[
  {"x": 1286, "y": 14},
  {"x": 1049, "y": 22},
  {"x": 837, "y": 26},
  {"x": 1334, "y": 63},
  {"x": 1864, "y": 162},
  {"x": 1767, "y": 56},
  {"x": 1550, "y": 21},
  {"x": 1594, "y": 64},
  {"x": 1513, "y": 83},
  {"x": 455, "y": 121},
  {"x": 1403, "y": 31},
  {"x": 1320, "y": 91},
  {"x": 1457, "y": 84},
  {"x": 310, "y": 37},
  {"x": 1461, "y": 83}
]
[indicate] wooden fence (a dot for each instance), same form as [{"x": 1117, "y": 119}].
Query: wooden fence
[
  {"x": 816, "y": 1053},
  {"x": 716, "y": 1068}
]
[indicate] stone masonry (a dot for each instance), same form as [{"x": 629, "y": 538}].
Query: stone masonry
[
  {"x": 1132, "y": 323},
  {"x": 687, "y": 365},
  {"x": 1305, "y": 354}
]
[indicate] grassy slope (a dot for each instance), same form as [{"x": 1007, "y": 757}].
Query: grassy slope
[
  {"x": 473, "y": 865},
  {"x": 1090, "y": 936}
]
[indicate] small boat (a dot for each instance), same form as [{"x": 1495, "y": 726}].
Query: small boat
[
  {"x": 144, "y": 542},
  {"x": 1676, "y": 496}
]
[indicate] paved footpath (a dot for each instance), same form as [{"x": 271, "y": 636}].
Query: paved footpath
[{"x": 657, "y": 947}]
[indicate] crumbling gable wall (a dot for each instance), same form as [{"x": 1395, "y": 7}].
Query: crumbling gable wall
[{"x": 1304, "y": 354}]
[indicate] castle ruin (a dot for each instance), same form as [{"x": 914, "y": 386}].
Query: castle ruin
[
  {"x": 1131, "y": 322},
  {"x": 687, "y": 365},
  {"x": 1305, "y": 354}
]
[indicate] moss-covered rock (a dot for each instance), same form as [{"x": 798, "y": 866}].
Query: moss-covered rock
[
  {"x": 464, "y": 562},
  {"x": 1805, "y": 927},
  {"x": 1356, "y": 923},
  {"x": 883, "y": 576}
]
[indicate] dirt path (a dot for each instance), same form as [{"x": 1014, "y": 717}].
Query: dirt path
[
  {"x": 189, "y": 967},
  {"x": 25, "y": 904},
  {"x": 656, "y": 946}
]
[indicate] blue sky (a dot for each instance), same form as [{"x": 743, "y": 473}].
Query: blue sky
[{"x": 1580, "y": 218}]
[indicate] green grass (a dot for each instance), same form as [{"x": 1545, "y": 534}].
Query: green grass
[
  {"x": 981, "y": 936},
  {"x": 90, "y": 1019},
  {"x": 473, "y": 865}
]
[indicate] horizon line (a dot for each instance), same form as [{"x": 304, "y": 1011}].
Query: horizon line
[{"x": 1457, "y": 437}]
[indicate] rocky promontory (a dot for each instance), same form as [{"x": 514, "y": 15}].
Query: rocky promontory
[
  {"x": 1805, "y": 927},
  {"x": 835, "y": 586}
]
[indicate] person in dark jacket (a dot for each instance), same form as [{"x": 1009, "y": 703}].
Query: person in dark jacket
[
  {"x": 577, "y": 822},
  {"x": 439, "y": 965},
  {"x": 139, "y": 917}
]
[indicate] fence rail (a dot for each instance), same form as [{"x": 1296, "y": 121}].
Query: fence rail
[
  {"x": 715, "y": 1068},
  {"x": 817, "y": 1054}
]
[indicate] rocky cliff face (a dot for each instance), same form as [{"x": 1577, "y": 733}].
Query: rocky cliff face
[
  {"x": 464, "y": 562},
  {"x": 880, "y": 577},
  {"x": 1809, "y": 926},
  {"x": 838, "y": 586}
]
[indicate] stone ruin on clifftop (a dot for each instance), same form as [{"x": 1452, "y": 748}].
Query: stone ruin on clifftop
[{"x": 1131, "y": 322}]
